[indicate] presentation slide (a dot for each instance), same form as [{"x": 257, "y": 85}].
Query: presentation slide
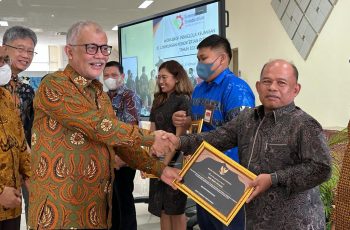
[{"x": 144, "y": 46}]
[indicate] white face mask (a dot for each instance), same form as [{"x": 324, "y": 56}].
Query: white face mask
[
  {"x": 113, "y": 84},
  {"x": 5, "y": 74}
]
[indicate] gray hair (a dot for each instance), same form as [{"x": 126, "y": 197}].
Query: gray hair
[
  {"x": 18, "y": 32},
  {"x": 75, "y": 29}
]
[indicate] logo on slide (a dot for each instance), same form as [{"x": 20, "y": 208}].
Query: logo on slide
[{"x": 178, "y": 22}]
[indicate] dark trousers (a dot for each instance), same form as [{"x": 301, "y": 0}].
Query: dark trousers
[
  {"x": 13, "y": 224},
  {"x": 206, "y": 221},
  {"x": 25, "y": 195},
  {"x": 123, "y": 207}
]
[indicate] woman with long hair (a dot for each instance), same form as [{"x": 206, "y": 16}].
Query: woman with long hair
[{"x": 173, "y": 94}]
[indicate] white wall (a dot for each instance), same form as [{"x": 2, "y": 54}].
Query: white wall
[{"x": 325, "y": 76}]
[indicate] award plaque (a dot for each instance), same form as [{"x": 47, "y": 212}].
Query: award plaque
[{"x": 216, "y": 182}]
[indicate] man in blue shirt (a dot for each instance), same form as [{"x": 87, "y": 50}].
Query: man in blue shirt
[{"x": 216, "y": 100}]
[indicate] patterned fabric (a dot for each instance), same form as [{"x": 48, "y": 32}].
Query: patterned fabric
[
  {"x": 126, "y": 104},
  {"x": 227, "y": 95},
  {"x": 23, "y": 95},
  {"x": 161, "y": 195},
  {"x": 14, "y": 158},
  {"x": 73, "y": 134},
  {"x": 341, "y": 216},
  {"x": 286, "y": 141}
]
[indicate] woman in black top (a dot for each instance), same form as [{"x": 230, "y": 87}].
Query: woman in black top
[{"x": 173, "y": 94}]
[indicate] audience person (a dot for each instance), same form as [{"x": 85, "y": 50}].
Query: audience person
[
  {"x": 173, "y": 94},
  {"x": 19, "y": 43},
  {"x": 152, "y": 85},
  {"x": 281, "y": 144},
  {"x": 126, "y": 105},
  {"x": 130, "y": 83},
  {"x": 219, "y": 98},
  {"x": 75, "y": 130},
  {"x": 144, "y": 89},
  {"x": 341, "y": 214},
  {"x": 14, "y": 155}
]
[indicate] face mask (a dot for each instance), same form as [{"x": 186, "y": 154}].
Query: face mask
[
  {"x": 204, "y": 70},
  {"x": 5, "y": 74},
  {"x": 113, "y": 84}
]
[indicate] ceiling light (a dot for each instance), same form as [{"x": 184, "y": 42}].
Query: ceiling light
[
  {"x": 145, "y": 4},
  {"x": 13, "y": 19},
  {"x": 115, "y": 27},
  {"x": 4, "y": 23},
  {"x": 37, "y": 30}
]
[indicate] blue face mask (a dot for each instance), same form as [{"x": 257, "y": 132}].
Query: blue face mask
[{"x": 204, "y": 70}]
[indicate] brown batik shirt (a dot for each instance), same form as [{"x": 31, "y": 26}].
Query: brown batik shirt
[
  {"x": 14, "y": 158},
  {"x": 74, "y": 131}
]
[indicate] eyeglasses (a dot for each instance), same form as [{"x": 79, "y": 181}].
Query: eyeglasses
[
  {"x": 92, "y": 49},
  {"x": 22, "y": 50}
]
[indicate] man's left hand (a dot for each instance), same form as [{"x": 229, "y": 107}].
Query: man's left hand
[
  {"x": 260, "y": 184},
  {"x": 169, "y": 175}
]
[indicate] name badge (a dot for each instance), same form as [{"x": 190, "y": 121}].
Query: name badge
[{"x": 208, "y": 115}]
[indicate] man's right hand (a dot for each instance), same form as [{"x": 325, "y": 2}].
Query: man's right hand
[
  {"x": 10, "y": 197},
  {"x": 161, "y": 145}
]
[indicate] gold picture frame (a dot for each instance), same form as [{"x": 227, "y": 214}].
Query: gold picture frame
[
  {"x": 216, "y": 182},
  {"x": 196, "y": 126}
]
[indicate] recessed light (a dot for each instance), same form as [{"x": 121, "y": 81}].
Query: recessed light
[
  {"x": 4, "y": 23},
  {"x": 145, "y": 4},
  {"x": 37, "y": 30}
]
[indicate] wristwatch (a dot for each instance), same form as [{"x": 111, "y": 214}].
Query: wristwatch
[{"x": 274, "y": 179}]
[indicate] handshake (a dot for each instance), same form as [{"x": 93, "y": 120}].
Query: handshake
[{"x": 165, "y": 144}]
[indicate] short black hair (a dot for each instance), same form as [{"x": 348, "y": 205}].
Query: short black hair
[
  {"x": 115, "y": 64},
  {"x": 216, "y": 41}
]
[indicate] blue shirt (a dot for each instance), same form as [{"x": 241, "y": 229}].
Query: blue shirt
[{"x": 226, "y": 96}]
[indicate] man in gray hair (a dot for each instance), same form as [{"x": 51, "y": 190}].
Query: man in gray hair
[
  {"x": 75, "y": 137},
  {"x": 18, "y": 44}
]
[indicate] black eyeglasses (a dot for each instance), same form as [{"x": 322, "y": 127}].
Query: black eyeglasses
[
  {"x": 92, "y": 49},
  {"x": 22, "y": 50}
]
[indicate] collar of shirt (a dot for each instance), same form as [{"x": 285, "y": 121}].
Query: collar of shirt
[
  {"x": 118, "y": 91},
  {"x": 275, "y": 114},
  {"x": 80, "y": 81},
  {"x": 220, "y": 77}
]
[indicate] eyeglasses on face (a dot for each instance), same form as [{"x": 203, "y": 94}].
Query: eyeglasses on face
[
  {"x": 23, "y": 50},
  {"x": 92, "y": 49}
]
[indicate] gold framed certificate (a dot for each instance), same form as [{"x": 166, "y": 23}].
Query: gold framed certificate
[
  {"x": 196, "y": 126},
  {"x": 216, "y": 182}
]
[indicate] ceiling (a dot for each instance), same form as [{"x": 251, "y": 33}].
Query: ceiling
[{"x": 48, "y": 18}]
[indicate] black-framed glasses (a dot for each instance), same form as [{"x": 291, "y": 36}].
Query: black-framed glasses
[
  {"x": 92, "y": 49},
  {"x": 22, "y": 50}
]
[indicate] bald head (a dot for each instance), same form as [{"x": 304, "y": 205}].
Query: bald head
[{"x": 277, "y": 63}]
